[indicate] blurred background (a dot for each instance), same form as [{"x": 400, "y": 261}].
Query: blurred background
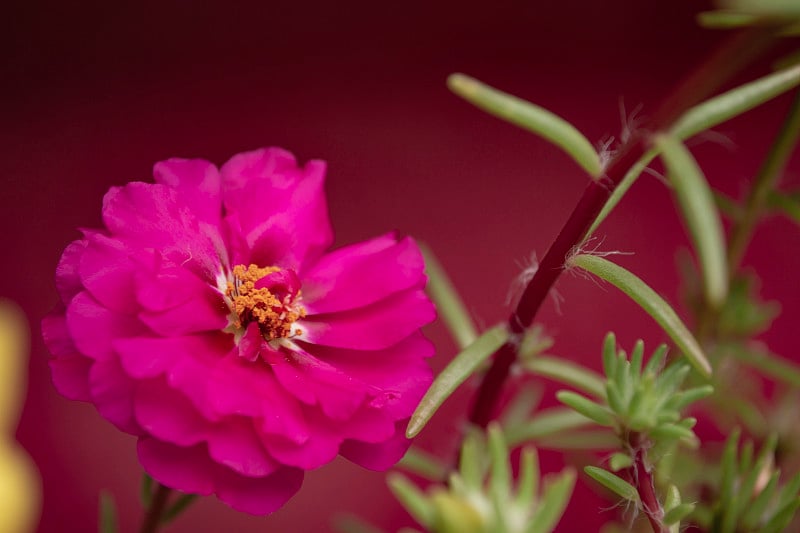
[{"x": 93, "y": 93}]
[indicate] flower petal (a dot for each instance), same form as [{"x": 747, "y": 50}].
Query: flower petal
[
  {"x": 153, "y": 216},
  {"x": 198, "y": 183},
  {"x": 374, "y": 327},
  {"x": 258, "y": 495},
  {"x": 112, "y": 393},
  {"x": 107, "y": 272},
  {"x": 362, "y": 274},
  {"x": 235, "y": 444},
  {"x": 94, "y": 327},
  {"x": 70, "y": 369},
  {"x": 318, "y": 449},
  {"x": 168, "y": 415},
  {"x": 183, "y": 468},
  {"x": 68, "y": 282},
  {"x": 206, "y": 311},
  {"x": 279, "y": 208},
  {"x": 378, "y": 457}
]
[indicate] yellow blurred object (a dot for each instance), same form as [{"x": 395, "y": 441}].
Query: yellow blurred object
[{"x": 20, "y": 485}]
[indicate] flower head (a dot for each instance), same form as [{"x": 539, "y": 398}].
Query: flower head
[{"x": 208, "y": 319}]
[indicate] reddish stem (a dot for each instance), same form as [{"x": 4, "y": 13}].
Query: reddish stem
[
  {"x": 708, "y": 76},
  {"x": 640, "y": 474}
]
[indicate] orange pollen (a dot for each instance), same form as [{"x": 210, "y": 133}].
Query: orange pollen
[{"x": 274, "y": 315}]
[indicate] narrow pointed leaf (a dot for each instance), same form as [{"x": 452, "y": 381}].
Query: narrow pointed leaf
[
  {"x": 586, "y": 407},
  {"x": 107, "y": 519},
  {"x": 735, "y": 102},
  {"x": 413, "y": 499},
  {"x": 180, "y": 505},
  {"x": 651, "y": 302},
  {"x": 568, "y": 373},
  {"x": 689, "y": 396},
  {"x": 619, "y": 460},
  {"x": 701, "y": 216},
  {"x": 612, "y": 482},
  {"x": 678, "y": 513},
  {"x": 530, "y": 117},
  {"x": 501, "y": 476},
  {"x": 780, "y": 520},
  {"x": 454, "y": 375},
  {"x": 555, "y": 497},
  {"x": 449, "y": 305},
  {"x": 423, "y": 464},
  {"x": 528, "y": 482},
  {"x": 546, "y": 423}
]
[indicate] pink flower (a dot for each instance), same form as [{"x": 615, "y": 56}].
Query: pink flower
[{"x": 207, "y": 319}]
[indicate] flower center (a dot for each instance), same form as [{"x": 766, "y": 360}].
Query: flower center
[{"x": 267, "y": 296}]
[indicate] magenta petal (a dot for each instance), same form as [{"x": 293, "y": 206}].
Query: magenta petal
[
  {"x": 167, "y": 415},
  {"x": 94, "y": 328},
  {"x": 70, "y": 369},
  {"x": 279, "y": 208},
  {"x": 250, "y": 343},
  {"x": 68, "y": 282},
  {"x": 167, "y": 286},
  {"x": 378, "y": 456},
  {"x": 183, "y": 468},
  {"x": 258, "y": 495},
  {"x": 107, "y": 272},
  {"x": 235, "y": 444},
  {"x": 153, "y": 216},
  {"x": 362, "y": 274},
  {"x": 313, "y": 381},
  {"x": 112, "y": 393},
  {"x": 399, "y": 372},
  {"x": 205, "y": 312},
  {"x": 198, "y": 183},
  {"x": 319, "y": 449},
  {"x": 374, "y": 327}
]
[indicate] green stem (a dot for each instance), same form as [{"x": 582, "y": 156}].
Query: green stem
[
  {"x": 733, "y": 56},
  {"x": 158, "y": 505}
]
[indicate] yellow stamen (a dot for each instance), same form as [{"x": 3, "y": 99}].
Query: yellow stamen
[{"x": 274, "y": 316}]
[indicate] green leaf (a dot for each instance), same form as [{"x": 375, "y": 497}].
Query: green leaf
[
  {"x": 619, "y": 460},
  {"x": 568, "y": 373},
  {"x": 348, "y": 523},
  {"x": 687, "y": 397},
  {"x": 556, "y": 494},
  {"x": 672, "y": 432},
  {"x": 471, "y": 462},
  {"x": 614, "y": 483},
  {"x": 107, "y": 521},
  {"x": 530, "y": 117},
  {"x": 501, "y": 476},
  {"x": 449, "y": 306},
  {"x": 459, "y": 369},
  {"x": 772, "y": 8},
  {"x": 180, "y": 505},
  {"x": 413, "y": 499},
  {"x": 755, "y": 511},
  {"x": 651, "y": 302},
  {"x": 423, "y": 464},
  {"x": 677, "y": 513},
  {"x": 586, "y": 407},
  {"x": 600, "y": 439},
  {"x": 146, "y": 491},
  {"x": 786, "y": 203},
  {"x": 781, "y": 519},
  {"x": 546, "y": 423},
  {"x": 735, "y": 102},
  {"x": 701, "y": 216},
  {"x": 768, "y": 364},
  {"x": 725, "y": 19}
]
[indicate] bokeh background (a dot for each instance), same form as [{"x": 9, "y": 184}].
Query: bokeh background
[{"x": 93, "y": 93}]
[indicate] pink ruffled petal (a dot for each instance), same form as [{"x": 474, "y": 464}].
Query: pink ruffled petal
[
  {"x": 399, "y": 373},
  {"x": 314, "y": 382},
  {"x": 381, "y": 456},
  {"x": 112, "y": 393},
  {"x": 167, "y": 415},
  {"x": 206, "y": 311},
  {"x": 94, "y": 327},
  {"x": 258, "y": 495},
  {"x": 279, "y": 208},
  {"x": 362, "y": 274},
  {"x": 69, "y": 369},
  {"x": 153, "y": 216},
  {"x": 68, "y": 282},
  {"x": 198, "y": 183},
  {"x": 374, "y": 327},
  {"x": 107, "y": 272},
  {"x": 183, "y": 468},
  {"x": 166, "y": 286},
  {"x": 320, "y": 448},
  {"x": 235, "y": 444}
]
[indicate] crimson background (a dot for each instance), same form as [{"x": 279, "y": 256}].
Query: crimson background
[{"x": 94, "y": 93}]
